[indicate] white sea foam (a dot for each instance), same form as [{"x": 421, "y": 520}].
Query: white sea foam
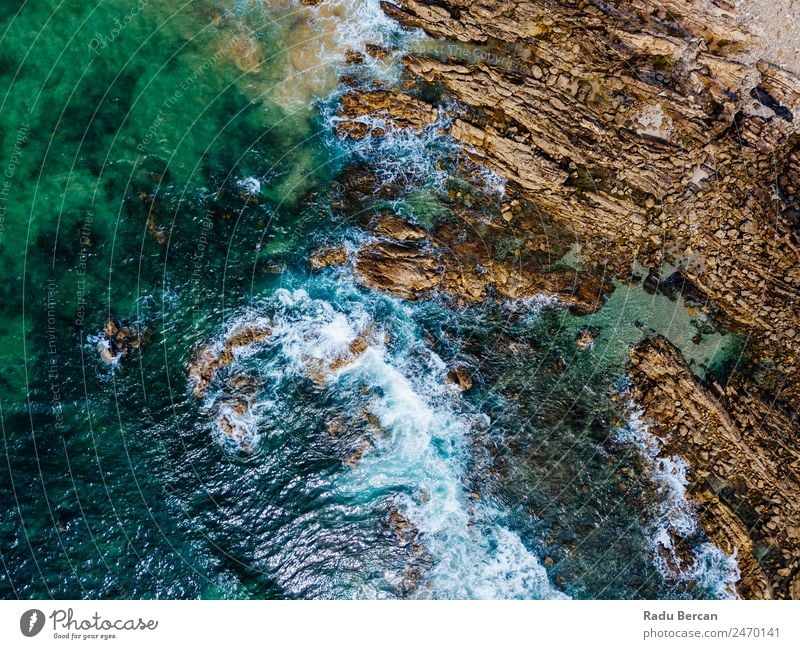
[
  {"x": 424, "y": 461},
  {"x": 492, "y": 181},
  {"x": 422, "y": 456},
  {"x": 236, "y": 431},
  {"x": 251, "y": 185},
  {"x": 311, "y": 333},
  {"x": 715, "y": 571},
  {"x": 531, "y": 306},
  {"x": 403, "y": 155},
  {"x": 234, "y": 428}
]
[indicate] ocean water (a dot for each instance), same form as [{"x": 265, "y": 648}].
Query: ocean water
[{"x": 172, "y": 167}]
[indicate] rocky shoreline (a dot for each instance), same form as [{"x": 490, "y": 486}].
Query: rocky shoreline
[
  {"x": 744, "y": 459},
  {"x": 649, "y": 134}
]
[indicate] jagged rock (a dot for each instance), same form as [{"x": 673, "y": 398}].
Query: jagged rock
[
  {"x": 231, "y": 419},
  {"x": 356, "y": 348},
  {"x": 404, "y": 270},
  {"x": 398, "y": 229},
  {"x": 655, "y": 133},
  {"x": 585, "y": 338},
  {"x": 209, "y": 359},
  {"x": 358, "y": 185},
  {"x": 463, "y": 270},
  {"x": 246, "y": 336},
  {"x": 118, "y": 341},
  {"x": 328, "y": 257},
  {"x": 376, "y": 51},
  {"x": 397, "y": 110},
  {"x": 407, "y": 536},
  {"x": 744, "y": 464},
  {"x": 466, "y": 261},
  {"x": 353, "y": 58},
  {"x": 155, "y": 229},
  {"x": 461, "y": 377}
]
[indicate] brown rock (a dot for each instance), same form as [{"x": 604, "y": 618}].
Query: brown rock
[
  {"x": 119, "y": 341},
  {"x": 650, "y": 129},
  {"x": 328, "y": 257},
  {"x": 461, "y": 377},
  {"x": 353, "y": 58},
  {"x": 376, "y": 51},
  {"x": 743, "y": 455},
  {"x": 398, "y": 229},
  {"x": 585, "y": 338},
  {"x": 459, "y": 262},
  {"x": 209, "y": 359},
  {"x": 401, "y": 269},
  {"x": 356, "y": 348},
  {"x": 399, "y": 110}
]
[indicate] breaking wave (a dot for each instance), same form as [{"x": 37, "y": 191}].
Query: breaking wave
[
  {"x": 415, "y": 459},
  {"x": 674, "y": 518}
]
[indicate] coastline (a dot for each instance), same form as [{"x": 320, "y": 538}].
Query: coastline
[{"x": 671, "y": 161}]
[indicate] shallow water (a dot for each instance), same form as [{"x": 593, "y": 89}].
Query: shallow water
[{"x": 174, "y": 174}]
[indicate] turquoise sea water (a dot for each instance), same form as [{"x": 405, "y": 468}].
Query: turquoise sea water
[{"x": 171, "y": 166}]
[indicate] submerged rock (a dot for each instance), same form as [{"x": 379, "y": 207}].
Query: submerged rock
[
  {"x": 407, "y": 536},
  {"x": 586, "y": 337}
]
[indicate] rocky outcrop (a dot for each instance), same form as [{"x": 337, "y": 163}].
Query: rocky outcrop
[
  {"x": 230, "y": 405},
  {"x": 469, "y": 268},
  {"x": 652, "y": 130},
  {"x": 744, "y": 457},
  {"x": 398, "y": 268},
  {"x": 398, "y": 229},
  {"x": 586, "y": 337},
  {"x": 209, "y": 359},
  {"x": 461, "y": 377},
  {"x": 375, "y": 112},
  {"x": 328, "y": 257},
  {"x": 118, "y": 341}
]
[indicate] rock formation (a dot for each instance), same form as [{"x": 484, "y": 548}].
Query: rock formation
[
  {"x": 467, "y": 270},
  {"x": 328, "y": 257},
  {"x": 118, "y": 341},
  {"x": 744, "y": 464},
  {"x": 209, "y": 359}
]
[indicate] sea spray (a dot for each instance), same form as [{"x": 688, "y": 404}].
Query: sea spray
[
  {"x": 418, "y": 458},
  {"x": 674, "y": 517},
  {"x": 401, "y": 155}
]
